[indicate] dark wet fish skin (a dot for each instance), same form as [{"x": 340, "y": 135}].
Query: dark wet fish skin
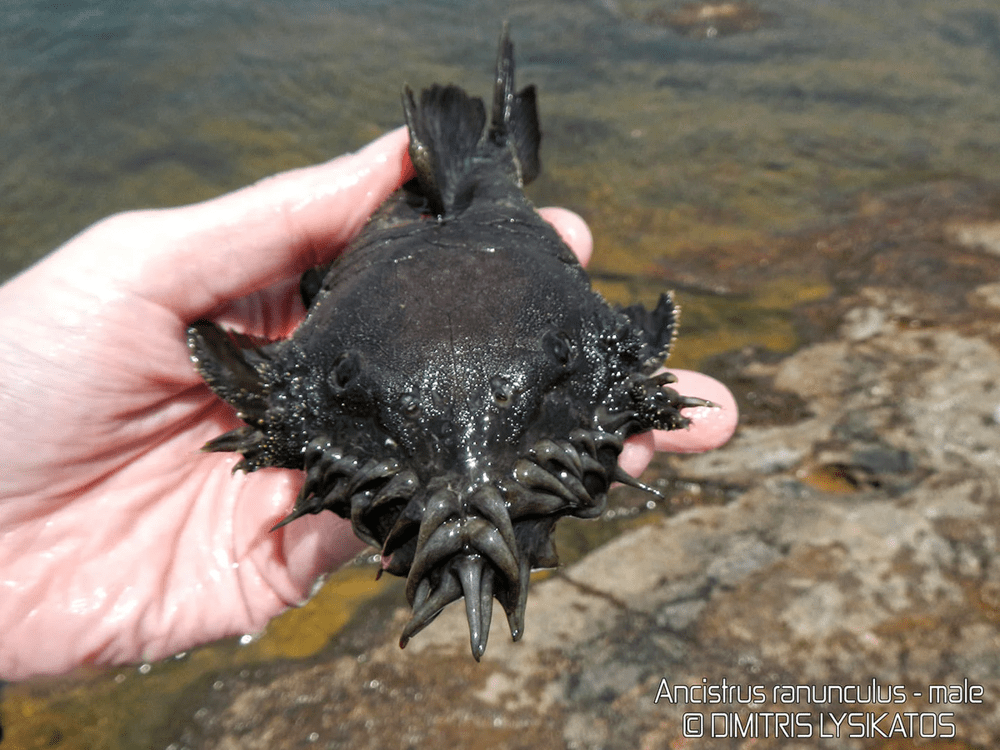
[{"x": 457, "y": 385}]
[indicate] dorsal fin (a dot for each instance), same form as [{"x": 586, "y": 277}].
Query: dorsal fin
[
  {"x": 445, "y": 132},
  {"x": 448, "y": 134},
  {"x": 503, "y": 90},
  {"x": 514, "y": 120}
]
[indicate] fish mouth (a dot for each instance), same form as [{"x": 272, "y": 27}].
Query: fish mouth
[
  {"x": 482, "y": 544},
  {"x": 452, "y": 539},
  {"x": 467, "y": 546}
]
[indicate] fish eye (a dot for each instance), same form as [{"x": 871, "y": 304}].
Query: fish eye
[
  {"x": 560, "y": 347},
  {"x": 502, "y": 389},
  {"x": 345, "y": 370},
  {"x": 409, "y": 404}
]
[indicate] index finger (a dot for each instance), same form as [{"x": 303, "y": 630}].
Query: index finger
[{"x": 573, "y": 230}]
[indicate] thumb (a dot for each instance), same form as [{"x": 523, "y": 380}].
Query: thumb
[{"x": 194, "y": 259}]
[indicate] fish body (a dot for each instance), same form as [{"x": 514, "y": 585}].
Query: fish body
[{"x": 457, "y": 385}]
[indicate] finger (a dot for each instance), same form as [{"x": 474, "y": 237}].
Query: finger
[
  {"x": 573, "y": 230},
  {"x": 637, "y": 453},
  {"x": 199, "y": 256},
  {"x": 287, "y": 562},
  {"x": 315, "y": 545},
  {"x": 711, "y": 426}
]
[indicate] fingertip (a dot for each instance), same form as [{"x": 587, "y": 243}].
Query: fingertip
[
  {"x": 573, "y": 230},
  {"x": 315, "y": 545},
  {"x": 711, "y": 426},
  {"x": 637, "y": 453},
  {"x": 389, "y": 148}
]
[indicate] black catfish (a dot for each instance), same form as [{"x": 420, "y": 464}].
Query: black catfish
[{"x": 457, "y": 385}]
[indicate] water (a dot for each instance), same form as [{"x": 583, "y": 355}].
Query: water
[
  {"x": 666, "y": 144},
  {"x": 109, "y": 106}
]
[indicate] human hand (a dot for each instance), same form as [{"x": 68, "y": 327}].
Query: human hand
[{"x": 119, "y": 540}]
